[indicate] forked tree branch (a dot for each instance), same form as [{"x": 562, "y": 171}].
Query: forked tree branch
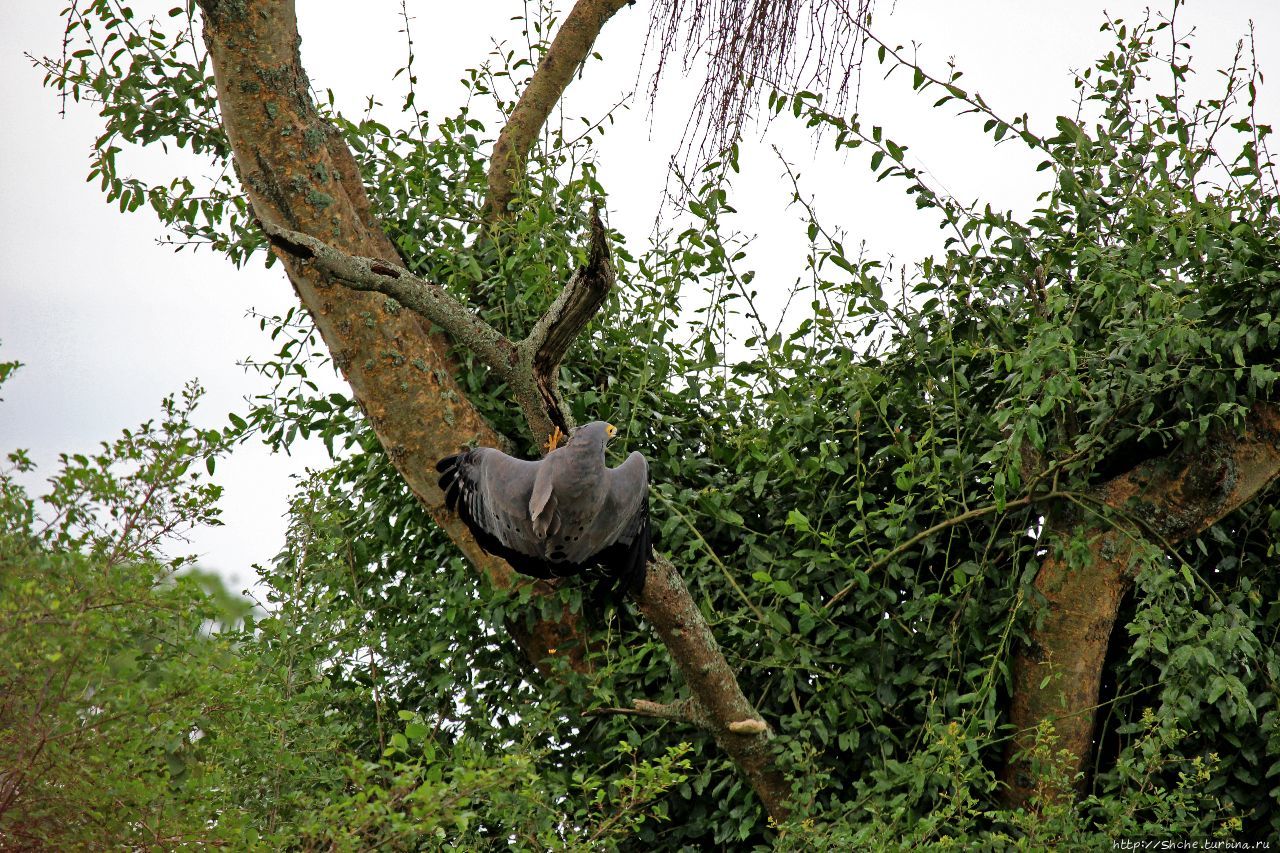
[
  {"x": 531, "y": 366},
  {"x": 1159, "y": 503},
  {"x": 297, "y": 171}
]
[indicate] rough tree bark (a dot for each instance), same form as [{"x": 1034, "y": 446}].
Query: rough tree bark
[
  {"x": 1160, "y": 503},
  {"x": 305, "y": 189},
  {"x": 297, "y": 170}
]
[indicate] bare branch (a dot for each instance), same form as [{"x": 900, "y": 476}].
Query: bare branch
[
  {"x": 429, "y": 300},
  {"x": 530, "y": 367},
  {"x": 571, "y": 46},
  {"x": 1188, "y": 492}
]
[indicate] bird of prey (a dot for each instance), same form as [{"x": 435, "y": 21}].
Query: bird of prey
[{"x": 565, "y": 515}]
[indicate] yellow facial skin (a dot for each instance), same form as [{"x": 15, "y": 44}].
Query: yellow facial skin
[{"x": 611, "y": 430}]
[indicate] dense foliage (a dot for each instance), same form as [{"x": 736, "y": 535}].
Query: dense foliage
[
  {"x": 854, "y": 501},
  {"x": 145, "y": 707}
]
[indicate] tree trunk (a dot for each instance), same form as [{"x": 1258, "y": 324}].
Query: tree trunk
[
  {"x": 305, "y": 188},
  {"x": 1058, "y": 676},
  {"x": 1158, "y": 504}
]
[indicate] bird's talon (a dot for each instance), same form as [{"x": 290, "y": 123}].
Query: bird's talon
[{"x": 553, "y": 440}]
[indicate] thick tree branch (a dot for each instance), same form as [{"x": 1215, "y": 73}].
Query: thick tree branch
[
  {"x": 570, "y": 48},
  {"x": 1188, "y": 493},
  {"x": 1161, "y": 502}
]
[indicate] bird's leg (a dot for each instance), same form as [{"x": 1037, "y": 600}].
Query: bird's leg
[{"x": 553, "y": 440}]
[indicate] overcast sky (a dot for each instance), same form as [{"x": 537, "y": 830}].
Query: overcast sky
[{"x": 108, "y": 322}]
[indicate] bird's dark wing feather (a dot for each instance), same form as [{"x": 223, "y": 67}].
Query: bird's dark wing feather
[
  {"x": 627, "y": 559},
  {"x": 490, "y": 492},
  {"x": 624, "y": 524}
]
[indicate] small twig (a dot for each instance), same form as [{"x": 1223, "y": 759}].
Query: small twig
[{"x": 943, "y": 525}]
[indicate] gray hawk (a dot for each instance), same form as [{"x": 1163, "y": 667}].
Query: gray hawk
[{"x": 564, "y": 515}]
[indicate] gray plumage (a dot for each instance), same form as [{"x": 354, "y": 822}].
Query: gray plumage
[{"x": 561, "y": 516}]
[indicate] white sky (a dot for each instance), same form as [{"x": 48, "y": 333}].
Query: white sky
[{"x": 108, "y": 322}]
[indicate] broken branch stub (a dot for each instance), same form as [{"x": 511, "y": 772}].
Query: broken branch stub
[{"x": 555, "y": 332}]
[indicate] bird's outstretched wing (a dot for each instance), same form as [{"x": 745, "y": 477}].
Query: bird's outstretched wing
[
  {"x": 621, "y": 532},
  {"x": 492, "y": 492}
]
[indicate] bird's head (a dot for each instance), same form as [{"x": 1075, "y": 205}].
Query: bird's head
[{"x": 594, "y": 434}]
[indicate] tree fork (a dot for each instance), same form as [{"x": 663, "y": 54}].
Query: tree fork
[
  {"x": 1158, "y": 503},
  {"x": 301, "y": 177},
  {"x": 530, "y": 367}
]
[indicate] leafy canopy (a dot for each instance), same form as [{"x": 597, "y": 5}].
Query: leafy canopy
[{"x": 854, "y": 502}]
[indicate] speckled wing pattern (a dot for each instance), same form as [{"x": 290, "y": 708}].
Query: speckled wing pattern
[{"x": 578, "y": 528}]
